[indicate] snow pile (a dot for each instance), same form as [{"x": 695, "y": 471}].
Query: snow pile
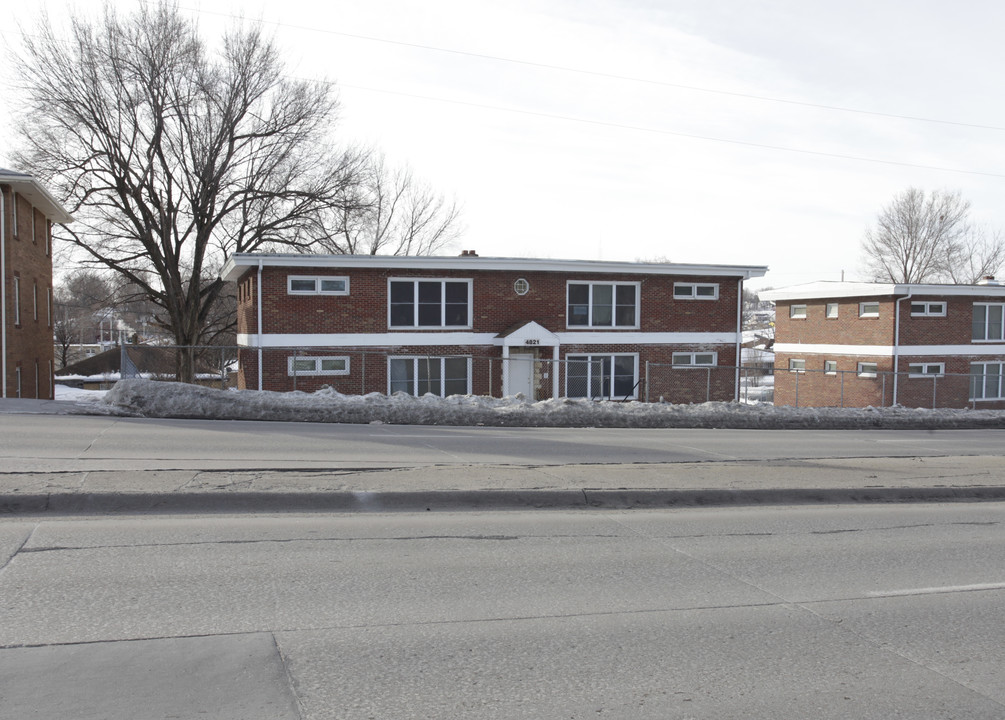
[{"x": 147, "y": 398}]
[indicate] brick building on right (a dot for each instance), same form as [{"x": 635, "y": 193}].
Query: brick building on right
[{"x": 849, "y": 344}]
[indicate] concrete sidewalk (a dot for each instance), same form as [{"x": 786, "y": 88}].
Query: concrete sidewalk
[{"x": 498, "y": 487}]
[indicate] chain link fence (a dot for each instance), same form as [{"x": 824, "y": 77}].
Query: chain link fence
[{"x": 612, "y": 376}]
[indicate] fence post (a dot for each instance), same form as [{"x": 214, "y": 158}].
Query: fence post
[
  {"x": 647, "y": 381},
  {"x": 842, "y": 386},
  {"x": 223, "y": 369},
  {"x": 296, "y": 353},
  {"x": 884, "y": 390},
  {"x": 935, "y": 383},
  {"x": 362, "y": 374},
  {"x": 490, "y": 377},
  {"x": 708, "y": 384},
  {"x": 797, "y": 388}
]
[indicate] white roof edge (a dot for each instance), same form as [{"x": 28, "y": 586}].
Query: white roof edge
[
  {"x": 236, "y": 264},
  {"x": 49, "y": 205},
  {"x": 834, "y": 289}
]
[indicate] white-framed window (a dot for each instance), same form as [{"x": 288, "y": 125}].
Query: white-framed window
[
  {"x": 34, "y": 239},
  {"x": 441, "y": 376},
  {"x": 986, "y": 381},
  {"x": 928, "y": 309},
  {"x": 317, "y": 365},
  {"x": 926, "y": 370},
  {"x": 695, "y": 291},
  {"x": 868, "y": 369},
  {"x": 602, "y": 304},
  {"x": 832, "y": 311},
  {"x": 521, "y": 286},
  {"x": 797, "y": 312},
  {"x": 429, "y": 303},
  {"x": 34, "y": 300},
  {"x": 694, "y": 359},
  {"x": 317, "y": 285},
  {"x": 797, "y": 365},
  {"x": 17, "y": 233},
  {"x": 602, "y": 377},
  {"x": 989, "y": 322},
  {"x": 48, "y": 306},
  {"x": 868, "y": 309},
  {"x": 830, "y": 367}
]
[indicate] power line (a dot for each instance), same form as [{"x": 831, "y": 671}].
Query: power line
[
  {"x": 613, "y": 76},
  {"x": 692, "y": 136}
]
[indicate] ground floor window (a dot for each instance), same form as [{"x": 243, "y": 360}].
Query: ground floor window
[
  {"x": 926, "y": 370},
  {"x": 305, "y": 365},
  {"x": 441, "y": 376},
  {"x": 986, "y": 381},
  {"x": 601, "y": 376}
]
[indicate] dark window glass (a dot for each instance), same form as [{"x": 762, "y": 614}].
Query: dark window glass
[
  {"x": 428, "y": 376},
  {"x": 402, "y": 376},
  {"x": 624, "y": 375},
  {"x": 579, "y": 306},
  {"x": 455, "y": 376},
  {"x": 430, "y": 309},
  {"x": 456, "y": 308}
]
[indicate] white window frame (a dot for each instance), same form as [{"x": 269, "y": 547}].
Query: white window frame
[
  {"x": 828, "y": 314},
  {"x": 927, "y": 311},
  {"x": 417, "y": 359},
  {"x": 317, "y": 281},
  {"x": 863, "y": 370},
  {"x": 689, "y": 359},
  {"x": 33, "y": 238},
  {"x": 590, "y": 359},
  {"x": 797, "y": 312},
  {"x": 317, "y": 361},
  {"x": 689, "y": 291},
  {"x": 614, "y": 306},
  {"x": 17, "y": 232},
  {"x": 521, "y": 286},
  {"x": 1000, "y": 367},
  {"x": 443, "y": 302},
  {"x": 830, "y": 367},
  {"x": 797, "y": 365},
  {"x": 913, "y": 372},
  {"x": 987, "y": 323},
  {"x": 862, "y": 312},
  {"x": 34, "y": 300}
]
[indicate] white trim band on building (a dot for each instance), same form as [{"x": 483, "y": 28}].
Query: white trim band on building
[
  {"x": 428, "y": 339},
  {"x": 888, "y": 350}
]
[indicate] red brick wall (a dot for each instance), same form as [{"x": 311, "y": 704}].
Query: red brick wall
[
  {"x": 847, "y": 329},
  {"x": 29, "y": 343},
  {"x": 496, "y": 305}
]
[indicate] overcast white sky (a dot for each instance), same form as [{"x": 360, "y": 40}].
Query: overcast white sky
[{"x": 693, "y": 130}]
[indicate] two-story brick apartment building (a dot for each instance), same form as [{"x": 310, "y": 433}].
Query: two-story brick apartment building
[
  {"x": 27, "y": 212},
  {"x": 482, "y": 325},
  {"x": 880, "y": 344}
]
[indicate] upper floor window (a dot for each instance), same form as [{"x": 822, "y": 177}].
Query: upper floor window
[
  {"x": 599, "y": 304},
  {"x": 317, "y": 285},
  {"x": 988, "y": 321},
  {"x": 430, "y": 303},
  {"x": 696, "y": 291},
  {"x": 797, "y": 312},
  {"x": 832, "y": 311},
  {"x": 929, "y": 309},
  {"x": 17, "y": 232},
  {"x": 868, "y": 309}
]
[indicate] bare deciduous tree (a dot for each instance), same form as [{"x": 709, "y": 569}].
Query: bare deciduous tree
[
  {"x": 171, "y": 154},
  {"x": 78, "y": 303},
  {"x": 921, "y": 238},
  {"x": 393, "y": 213}
]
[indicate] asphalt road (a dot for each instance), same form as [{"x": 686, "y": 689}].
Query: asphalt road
[
  {"x": 34, "y": 443},
  {"x": 810, "y": 612}
]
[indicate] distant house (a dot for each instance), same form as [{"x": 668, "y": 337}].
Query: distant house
[
  {"x": 100, "y": 371},
  {"x": 487, "y": 325},
  {"x": 916, "y": 345},
  {"x": 27, "y": 212}
]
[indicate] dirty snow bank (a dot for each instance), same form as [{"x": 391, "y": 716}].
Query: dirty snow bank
[{"x": 146, "y": 398}]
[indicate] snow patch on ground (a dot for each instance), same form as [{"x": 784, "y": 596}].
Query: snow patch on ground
[{"x": 146, "y": 398}]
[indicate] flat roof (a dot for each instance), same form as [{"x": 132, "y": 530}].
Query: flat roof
[
  {"x": 30, "y": 188},
  {"x": 239, "y": 263},
  {"x": 826, "y": 289}
]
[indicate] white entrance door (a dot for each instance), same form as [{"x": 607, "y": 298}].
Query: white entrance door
[{"x": 521, "y": 374}]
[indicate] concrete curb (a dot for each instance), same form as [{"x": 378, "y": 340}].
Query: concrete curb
[{"x": 462, "y": 500}]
